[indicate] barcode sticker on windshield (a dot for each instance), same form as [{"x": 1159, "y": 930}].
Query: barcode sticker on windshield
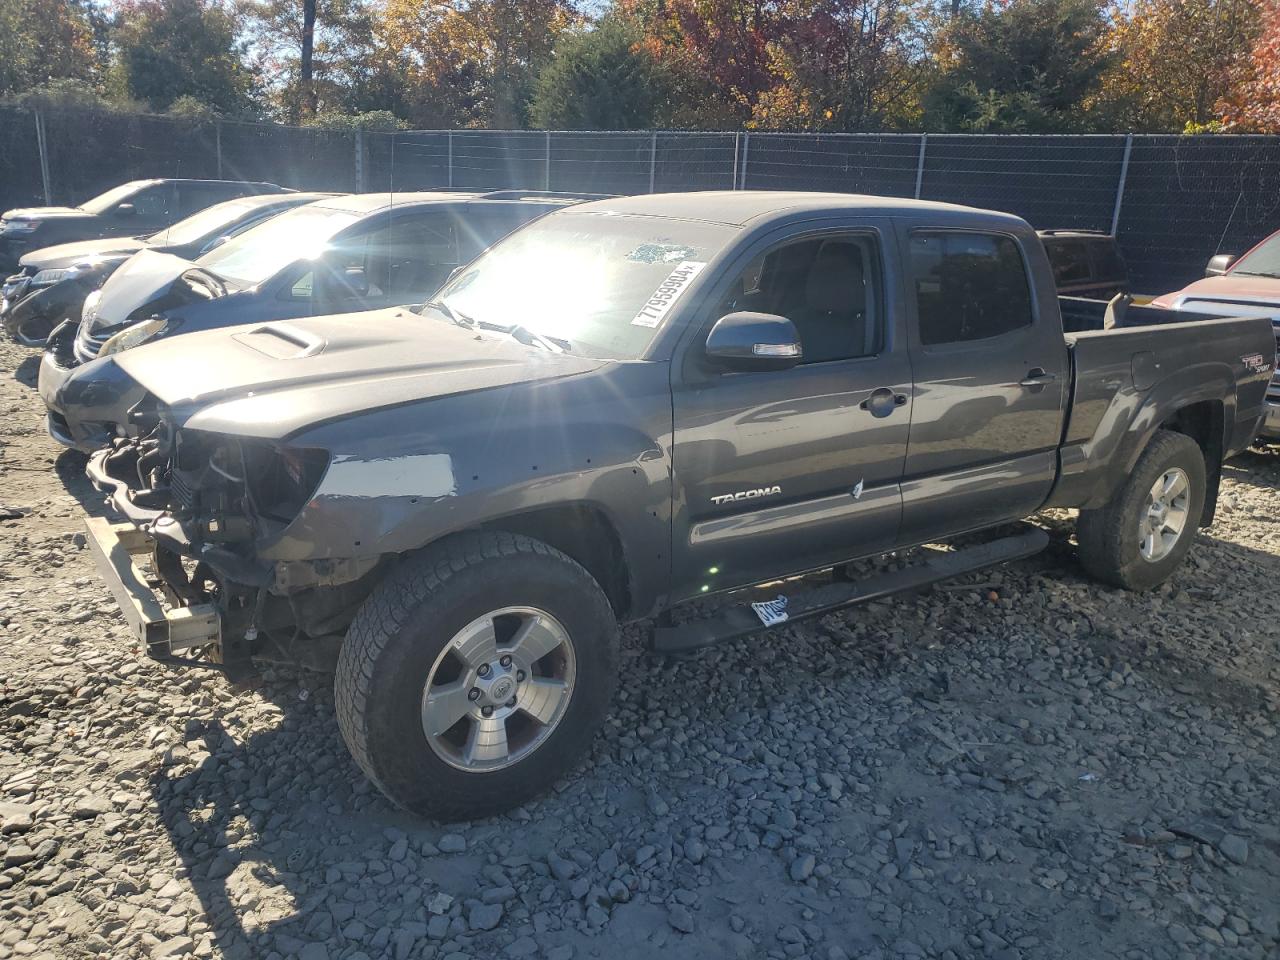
[{"x": 668, "y": 292}]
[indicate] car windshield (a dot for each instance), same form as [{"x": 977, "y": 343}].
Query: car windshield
[
  {"x": 262, "y": 252},
  {"x": 105, "y": 201},
  {"x": 1262, "y": 261},
  {"x": 601, "y": 284},
  {"x": 206, "y": 223}
]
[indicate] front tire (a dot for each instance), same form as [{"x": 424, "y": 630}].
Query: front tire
[
  {"x": 476, "y": 675},
  {"x": 1139, "y": 538}
]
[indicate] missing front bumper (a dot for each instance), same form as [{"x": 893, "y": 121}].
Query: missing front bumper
[{"x": 165, "y": 632}]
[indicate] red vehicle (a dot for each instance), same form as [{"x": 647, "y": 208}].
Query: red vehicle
[{"x": 1247, "y": 286}]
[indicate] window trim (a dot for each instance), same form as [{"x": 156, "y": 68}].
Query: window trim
[{"x": 951, "y": 346}]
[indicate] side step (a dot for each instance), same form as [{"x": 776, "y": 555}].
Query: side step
[{"x": 741, "y": 620}]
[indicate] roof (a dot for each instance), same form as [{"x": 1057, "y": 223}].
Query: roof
[
  {"x": 366, "y": 203},
  {"x": 275, "y": 199},
  {"x": 145, "y": 181},
  {"x": 741, "y": 207}
]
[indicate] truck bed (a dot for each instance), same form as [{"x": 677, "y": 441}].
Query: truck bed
[{"x": 1080, "y": 315}]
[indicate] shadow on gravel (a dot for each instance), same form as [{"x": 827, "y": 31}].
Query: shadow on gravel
[
  {"x": 70, "y": 470},
  {"x": 28, "y": 371},
  {"x": 1259, "y": 468},
  {"x": 254, "y": 822}
]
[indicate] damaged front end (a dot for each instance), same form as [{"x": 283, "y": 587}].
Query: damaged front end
[{"x": 199, "y": 508}]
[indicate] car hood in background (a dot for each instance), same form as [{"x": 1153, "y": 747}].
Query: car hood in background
[
  {"x": 1227, "y": 288},
  {"x": 271, "y": 380},
  {"x": 42, "y": 213},
  {"x": 145, "y": 277},
  {"x": 65, "y": 254}
]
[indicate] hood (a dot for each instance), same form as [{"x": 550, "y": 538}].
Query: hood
[
  {"x": 43, "y": 213},
  {"x": 144, "y": 278},
  {"x": 1250, "y": 291},
  {"x": 271, "y": 380},
  {"x": 65, "y": 254}
]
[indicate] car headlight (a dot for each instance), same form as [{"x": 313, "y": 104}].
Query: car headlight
[
  {"x": 21, "y": 226},
  {"x": 46, "y": 278},
  {"x": 90, "y": 307},
  {"x": 133, "y": 336}
]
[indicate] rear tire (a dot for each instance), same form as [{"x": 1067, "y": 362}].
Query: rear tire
[
  {"x": 1136, "y": 541},
  {"x": 515, "y": 627}
]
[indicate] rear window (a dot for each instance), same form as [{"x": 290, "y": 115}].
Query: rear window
[
  {"x": 1069, "y": 259},
  {"x": 968, "y": 286},
  {"x": 1107, "y": 262}
]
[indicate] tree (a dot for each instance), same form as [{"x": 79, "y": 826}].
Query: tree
[
  {"x": 320, "y": 55},
  {"x": 1025, "y": 65},
  {"x": 43, "y": 41},
  {"x": 602, "y": 79},
  {"x": 469, "y": 64},
  {"x": 1174, "y": 61},
  {"x": 1253, "y": 103},
  {"x": 168, "y": 49},
  {"x": 842, "y": 65}
]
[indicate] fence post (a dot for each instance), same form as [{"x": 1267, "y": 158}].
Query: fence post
[
  {"x": 924, "y": 139},
  {"x": 746, "y": 150},
  {"x": 43, "y": 147},
  {"x": 734, "y": 181},
  {"x": 217, "y": 142},
  {"x": 360, "y": 159},
  {"x": 449, "y": 137},
  {"x": 546, "y": 176},
  {"x": 1124, "y": 174},
  {"x": 653, "y": 158}
]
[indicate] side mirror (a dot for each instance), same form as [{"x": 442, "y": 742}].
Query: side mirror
[
  {"x": 754, "y": 341},
  {"x": 355, "y": 281},
  {"x": 126, "y": 210},
  {"x": 1219, "y": 265}
]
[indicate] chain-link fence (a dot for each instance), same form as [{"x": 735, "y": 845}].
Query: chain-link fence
[{"x": 1172, "y": 201}]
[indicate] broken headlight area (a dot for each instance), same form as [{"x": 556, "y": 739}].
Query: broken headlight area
[{"x": 215, "y": 489}]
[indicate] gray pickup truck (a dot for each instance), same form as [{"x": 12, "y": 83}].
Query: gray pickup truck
[{"x": 630, "y": 404}]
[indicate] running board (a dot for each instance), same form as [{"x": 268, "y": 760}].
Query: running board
[{"x": 742, "y": 619}]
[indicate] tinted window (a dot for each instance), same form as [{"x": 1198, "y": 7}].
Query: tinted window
[
  {"x": 968, "y": 286},
  {"x": 1069, "y": 259},
  {"x": 1107, "y": 262},
  {"x": 154, "y": 203},
  {"x": 827, "y": 286},
  {"x": 1262, "y": 261}
]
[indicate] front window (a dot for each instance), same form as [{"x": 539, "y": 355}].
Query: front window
[
  {"x": 1262, "y": 261},
  {"x": 261, "y": 253},
  {"x": 105, "y": 201},
  {"x": 602, "y": 284},
  {"x": 199, "y": 225}
]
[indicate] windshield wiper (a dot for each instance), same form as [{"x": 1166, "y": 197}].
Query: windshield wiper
[
  {"x": 461, "y": 319},
  {"x": 1257, "y": 273},
  {"x": 523, "y": 334}
]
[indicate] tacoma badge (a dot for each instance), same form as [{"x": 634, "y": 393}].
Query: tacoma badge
[{"x": 747, "y": 494}]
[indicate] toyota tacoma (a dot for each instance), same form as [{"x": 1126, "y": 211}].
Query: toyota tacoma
[{"x": 627, "y": 405}]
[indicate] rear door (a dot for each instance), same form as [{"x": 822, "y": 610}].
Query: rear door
[
  {"x": 785, "y": 470},
  {"x": 991, "y": 370}
]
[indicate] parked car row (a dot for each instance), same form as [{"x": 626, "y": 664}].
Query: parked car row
[{"x": 442, "y": 444}]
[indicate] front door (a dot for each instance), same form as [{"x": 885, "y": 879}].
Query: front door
[
  {"x": 991, "y": 371},
  {"x": 781, "y": 471}
]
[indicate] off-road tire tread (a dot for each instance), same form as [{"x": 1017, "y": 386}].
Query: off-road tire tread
[
  {"x": 1101, "y": 532},
  {"x": 391, "y": 605}
]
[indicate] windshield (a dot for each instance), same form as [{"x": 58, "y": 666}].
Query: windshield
[
  {"x": 105, "y": 201},
  {"x": 601, "y": 284},
  {"x": 1262, "y": 261},
  {"x": 265, "y": 250},
  {"x": 206, "y": 223}
]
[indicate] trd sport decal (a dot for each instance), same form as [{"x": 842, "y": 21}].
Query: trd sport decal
[
  {"x": 747, "y": 494},
  {"x": 1255, "y": 362}
]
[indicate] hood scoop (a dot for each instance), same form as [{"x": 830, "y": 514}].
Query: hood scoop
[{"x": 280, "y": 341}]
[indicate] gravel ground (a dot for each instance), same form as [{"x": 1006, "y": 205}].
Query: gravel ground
[{"x": 1027, "y": 765}]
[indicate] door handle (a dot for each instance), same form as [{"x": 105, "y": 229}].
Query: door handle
[
  {"x": 882, "y": 401},
  {"x": 1037, "y": 377}
]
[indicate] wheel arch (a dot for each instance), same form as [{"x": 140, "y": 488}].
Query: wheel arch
[{"x": 1204, "y": 421}]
